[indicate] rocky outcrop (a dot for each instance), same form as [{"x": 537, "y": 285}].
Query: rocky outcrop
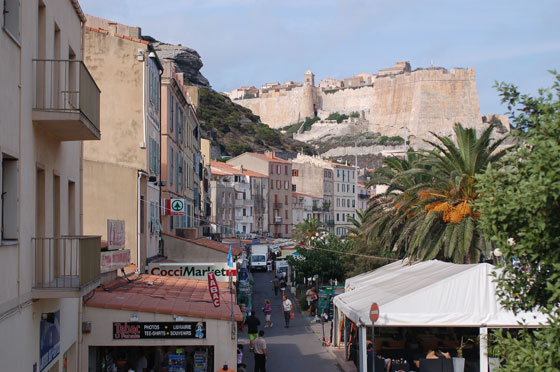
[{"x": 185, "y": 60}]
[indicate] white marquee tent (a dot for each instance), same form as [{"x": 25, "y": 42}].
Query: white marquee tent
[{"x": 431, "y": 293}]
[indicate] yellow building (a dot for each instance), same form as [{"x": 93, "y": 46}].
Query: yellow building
[
  {"x": 49, "y": 103},
  {"x": 122, "y": 171}
]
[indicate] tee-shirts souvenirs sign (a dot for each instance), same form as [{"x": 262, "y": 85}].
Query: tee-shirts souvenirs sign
[
  {"x": 193, "y": 270},
  {"x": 136, "y": 330}
]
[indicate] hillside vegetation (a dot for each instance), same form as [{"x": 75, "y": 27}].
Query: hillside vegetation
[{"x": 235, "y": 129}]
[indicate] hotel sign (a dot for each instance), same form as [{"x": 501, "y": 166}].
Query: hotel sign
[
  {"x": 115, "y": 234},
  {"x": 141, "y": 330}
]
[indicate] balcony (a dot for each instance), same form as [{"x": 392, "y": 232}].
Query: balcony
[
  {"x": 317, "y": 208},
  {"x": 363, "y": 196},
  {"x": 66, "y": 267},
  {"x": 330, "y": 223},
  {"x": 297, "y": 205},
  {"x": 277, "y": 219},
  {"x": 277, "y": 206},
  {"x": 66, "y": 101},
  {"x": 244, "y": 202}
]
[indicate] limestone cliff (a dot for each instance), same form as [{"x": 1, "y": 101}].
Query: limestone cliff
[{"x": 185, "y": 60}]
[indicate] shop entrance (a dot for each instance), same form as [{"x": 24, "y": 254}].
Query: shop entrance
[{"x": 165, "y": 358}]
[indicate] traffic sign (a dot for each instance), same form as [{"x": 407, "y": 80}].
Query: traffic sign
[{"x": 374, "y": 312}]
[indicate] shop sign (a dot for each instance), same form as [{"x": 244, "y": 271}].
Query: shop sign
[
  {"x": 49, "y": 342},
  {"x": 174, "y": 207},
  {"x": 114, "y": 260},
  {"x": 141, "y": 330},
  {"x": 115, "y": 234},
  {"x": 214, "y": 289},
  {"x": 193, "y": 270}
]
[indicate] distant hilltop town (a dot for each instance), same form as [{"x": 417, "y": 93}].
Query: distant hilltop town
[{"x": 422, "y": 100}]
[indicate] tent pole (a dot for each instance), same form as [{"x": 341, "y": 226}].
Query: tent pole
[
  {"x": 363, "y": 354},
  {"x": 483, "y": 349},
  {"x": 334, "y": 341}
]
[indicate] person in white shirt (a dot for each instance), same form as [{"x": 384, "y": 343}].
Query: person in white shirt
[{"x": 288, "y": 308}]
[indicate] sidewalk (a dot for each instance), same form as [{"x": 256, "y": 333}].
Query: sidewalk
[{"x": 337, "y": 352}]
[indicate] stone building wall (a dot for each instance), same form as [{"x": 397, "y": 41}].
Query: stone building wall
[{"x": 423, "y": 100}]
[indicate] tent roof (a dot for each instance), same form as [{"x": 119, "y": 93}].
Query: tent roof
[{"x": 431, "y": 293}]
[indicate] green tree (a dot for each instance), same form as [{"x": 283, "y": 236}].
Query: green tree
[
  {"x": 306, "y": 230},
  {"x": 520, "y": 209},
  {"x": 427, "y": 211},
  {"x": 323, "y": 257}
]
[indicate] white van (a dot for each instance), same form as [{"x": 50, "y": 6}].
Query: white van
[
  {"x": 259, "y": 257},
  {"x": 282, "y": 266}
]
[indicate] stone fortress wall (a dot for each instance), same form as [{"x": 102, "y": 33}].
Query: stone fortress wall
[{"x": 423, "y": 100}]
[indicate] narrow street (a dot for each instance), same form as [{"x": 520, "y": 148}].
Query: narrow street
[{"x": 294, "y": 349}]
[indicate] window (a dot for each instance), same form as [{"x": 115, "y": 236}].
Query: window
[
  {"x": 244, "y": 212},
  {"x": 294, "y": 187},
  {"x": 295, "y": 172},
  {"x": 338, "y": 187},
  {"x": 10, "y": 21},
  {"x": 272, "y": 184},
  {"x": 337, "y": 217},
  {"x": 271, "y": 168},
  {"x": 337, "y": 202},
  {"x": 286, "y": 213},
  {"x": 286, "y": 199},
  {"x": 353, "y": 203},
  {"x": 286, "y": 228},
  {"x": 171, "y": 157},
  {"x": 9, "y": 198},
  {"x": 343, "y": 187},
  {"x": 279, "y": 184},
  {"x": 171, "y": 111},
  {"x": 286, "y": 185},
  {"x": 285, "y": 169},
  {"x": 177, "y": 118},
  {"x": 278, "y": 169},
  {"x": 353, "y": 189},
  {"x": 344, "y": 202},
  {"x": 343, "y": 215}
]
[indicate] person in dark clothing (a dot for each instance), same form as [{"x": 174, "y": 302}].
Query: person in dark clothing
[{"x": 253, "y": 324}]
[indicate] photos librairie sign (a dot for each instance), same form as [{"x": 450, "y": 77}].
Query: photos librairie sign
[{"x": 138, "y": 330}]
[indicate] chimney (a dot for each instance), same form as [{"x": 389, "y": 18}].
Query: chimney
[{"x": 112, "y": 28}]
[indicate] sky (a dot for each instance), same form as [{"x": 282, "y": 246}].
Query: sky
[{"x": 251, "y": 42}]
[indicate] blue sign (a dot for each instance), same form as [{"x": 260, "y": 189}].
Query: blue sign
[{"x": 49, "y": 342}]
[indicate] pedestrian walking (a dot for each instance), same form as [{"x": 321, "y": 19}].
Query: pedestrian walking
[
  {"x": 311, "y": 297},
  {"x": 267, "y": 314},
  {"x": 253, "y": 324},
  {"x": 261, "y": 354},
  {"x": 275, "y": 285},
  {"x": 288, "y": 310},
  {"x": 282, "y": 284}
]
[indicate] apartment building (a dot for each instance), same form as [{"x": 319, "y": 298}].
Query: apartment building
[
  {"x": 206, "y": 198},
  {"x": 280, "y": 188},
  {"x": 179, "y": 151},
  {"x": 122, "y": 174},
  {"x": 306, "y": 207},
  {"x": 49, "y": 104},
  {"x": 223, "y": 203},
  {"x": 313, "y": 175},
  {"x": 344, "y": 197}
]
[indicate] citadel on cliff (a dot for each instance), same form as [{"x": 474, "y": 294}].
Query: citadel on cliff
[{"x": 394, "y": 101}]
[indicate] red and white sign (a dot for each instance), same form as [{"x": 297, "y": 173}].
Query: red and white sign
[
  {"x": 115, "y": 234},
  {"x": 374, "y": 312},
  {"x": 214, "y": 289},
  {"x": 174, "y": 207},
  {"x": 114, "y": 260}
]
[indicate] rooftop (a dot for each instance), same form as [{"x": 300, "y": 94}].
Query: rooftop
[
  {"x": 164, "y": 295},
  {"x": 212, "y": 244}
]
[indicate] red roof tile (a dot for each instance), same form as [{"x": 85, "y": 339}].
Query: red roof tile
[
  {"x": 187, "y": 297},
  {"x": 106, "y": 32},
  {"x": 268, "y": 158}
]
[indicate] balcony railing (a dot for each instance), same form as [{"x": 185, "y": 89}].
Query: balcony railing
[
  {"x": 363, "y": 196},
  {"x": 244, "y": 202},
  {"x": 66, "y": 100},
  {"x": 66, "y": 266},
  {"x": 277, "y": 219},
  {"x": 330, "y": 222},
  {"x": 277, "y": 206},
  {"x": 317, "y": 208}
]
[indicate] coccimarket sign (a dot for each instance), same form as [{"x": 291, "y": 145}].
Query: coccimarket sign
[{"x": 193, "y": 270}]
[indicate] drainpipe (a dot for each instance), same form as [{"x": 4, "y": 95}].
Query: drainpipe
[{"x": 139, "y": 227}]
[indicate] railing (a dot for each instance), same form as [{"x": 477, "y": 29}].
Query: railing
[
  {"x": 330, "y": 223},
  {"x": 307, "y": 208},
  {"x": 297, "y": 205},
  {"x": 277, "y": 206},
  {"x": 317, "y": 208},
  {"x": 363, "y": 196},
  {"x": 244, "y": 202},
  {"x": 68, "y": 262},
  {"x": 66, "y": 86},
  {"x": 277, "y": 219}
]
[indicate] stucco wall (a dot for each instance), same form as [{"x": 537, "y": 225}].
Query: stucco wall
[{"x": 183, "y": 251}]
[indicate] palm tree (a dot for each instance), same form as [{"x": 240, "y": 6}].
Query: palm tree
[
  {"x": 427, "y": 211},
  {"x": 306, "y": 230}
]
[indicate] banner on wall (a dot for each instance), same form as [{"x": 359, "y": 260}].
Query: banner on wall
[{"x": 49, "y": 342}]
